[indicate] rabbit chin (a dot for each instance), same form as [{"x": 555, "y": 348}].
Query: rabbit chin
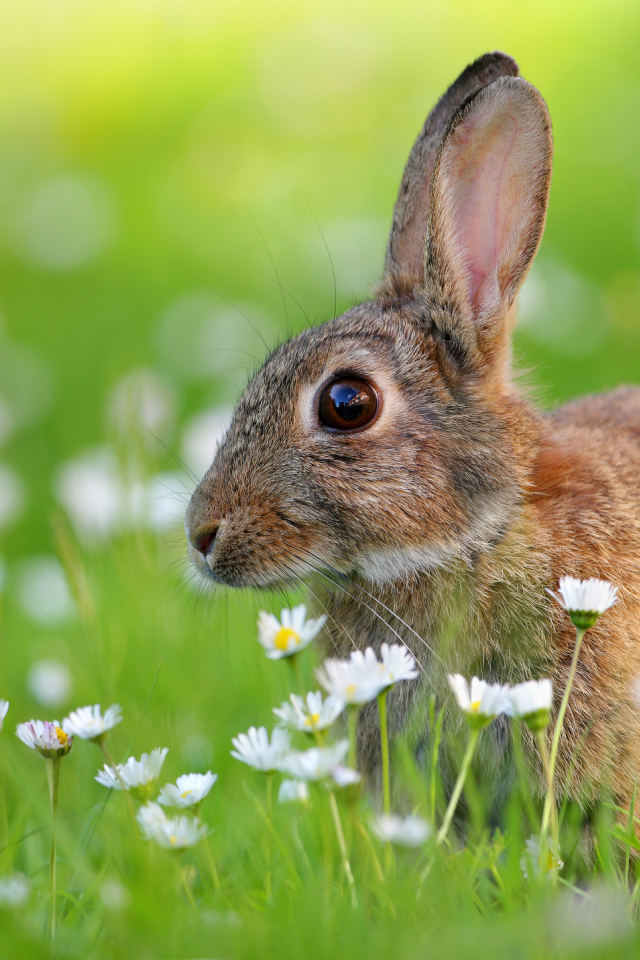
[{"x": 381, "y": 566}]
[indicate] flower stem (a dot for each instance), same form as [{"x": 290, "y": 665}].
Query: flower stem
[
  {"x": 335, "y": 813},
  {"x": 267, "y": 882},
  {"x": 549, "y": 799},
  {"x": 544, "y": 754},
  {"x": 212, "y": 865},
  {"x": 294, "y": 660},
  {"x": 384, "y": 742},
  {"x": 353, "y": 730},
  {"x": 53, "y": 775},
  {"x": 457, "y": 790}
]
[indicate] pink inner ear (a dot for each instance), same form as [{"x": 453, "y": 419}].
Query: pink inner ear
[{"x": 483, "y": 178}]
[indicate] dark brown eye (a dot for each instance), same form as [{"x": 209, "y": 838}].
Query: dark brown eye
[{"x": 347, "y": 404}]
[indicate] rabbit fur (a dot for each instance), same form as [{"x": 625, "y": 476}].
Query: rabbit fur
[{"x": 445, "y": 522}]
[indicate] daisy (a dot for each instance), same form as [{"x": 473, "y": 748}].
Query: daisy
[
  {"x": 398, "y": 663},
  {"x": 481, "y": 701},
  {"x": 290, "y": 634},
  {"x": 531, "y": 702},
  {"x": 176, "y": 834},
  {"x": 411, "y": 831},
  {"x": 88, "y": 723},
  {"x": 355, "y": 681},
  {"x": 585, "y": 600},
  {"x": 530, "y": 860},
  {"x": 314, "y": 764},
  {"x": 4, "y": 706},
  {"x": 14, "y": 890},
  {"x": 189, "y": 790},
  {"x": 47, "y": 737},
  {"x": 254, "y": 749},
  {"x": 344, "y": 777},
  {"x": 139, "y": 777},
  {"x": 293, "y": 790},
  {"x": 310, "y": 715}
]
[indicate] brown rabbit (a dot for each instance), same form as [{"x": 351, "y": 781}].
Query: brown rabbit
[{"x": 389, "y": 457}]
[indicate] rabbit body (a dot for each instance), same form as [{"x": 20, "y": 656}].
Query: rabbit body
[{"x": 444, "y": 520}]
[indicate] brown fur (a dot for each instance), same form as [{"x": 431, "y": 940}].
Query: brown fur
[{"x": 446, "y": 522}]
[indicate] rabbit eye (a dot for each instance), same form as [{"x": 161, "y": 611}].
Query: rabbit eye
[{"x": 347, "y": 404}]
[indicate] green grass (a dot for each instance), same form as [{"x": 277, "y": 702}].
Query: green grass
[{"x": 194, "y": 122}]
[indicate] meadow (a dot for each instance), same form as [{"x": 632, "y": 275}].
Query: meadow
[{"x": 172, "y": 179}]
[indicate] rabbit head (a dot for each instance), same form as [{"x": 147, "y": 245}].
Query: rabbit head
[{"x": 388, "y": 441}]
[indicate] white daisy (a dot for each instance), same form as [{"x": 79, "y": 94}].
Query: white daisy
[
  {"x": 585, "y": 600},
  {"x": 398, "y": 663},
  {"x": 178, "y": 833},
  {"x": 530, "y": 860},
  {"x": 47, "y": 737},
  {"x": 355, "y": 681},
  {"x": 481, "y": 701},
  {"x": 139, "y": 777},
  {"x": 531, "y": 701},
  {"x": 254, "y": 749},
  {"x": 293, "y": 790},
  {"x": 310, "y": 715},
  {"x": 4, "y": 706},
  {"x": 88, "y": 723},
  {"x": 189, "y": 790},
  {"x": 290, "y": 634},
  {"x": 411, "y": 831},
  {"x": 14, "y": 890},
  {"x": 314, "y": 764},
  {"x": 344, "y": 777}
]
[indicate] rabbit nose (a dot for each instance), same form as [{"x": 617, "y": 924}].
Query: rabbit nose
[{"x": 204, "y": 541}]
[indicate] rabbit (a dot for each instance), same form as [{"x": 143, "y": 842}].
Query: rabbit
[{"x": 391, "y": 459}]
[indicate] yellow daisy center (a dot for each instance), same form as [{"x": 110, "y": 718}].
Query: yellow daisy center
[
  {"x": 475, "y": 706},
  {"x": 62, "y": 736},
  {"x": 186, "y": 793},
  {"x": 312, "y": 719},
  {"x": 284, "y": 636},
  {"x": 350, "y": 690}
]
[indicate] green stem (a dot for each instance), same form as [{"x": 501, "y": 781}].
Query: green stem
[
  {"x": 187, "y": 886},
  {"x": 353, "y": 730},
  {"x": 212, "y": 864},
  {"x": 546, "y": 813},
  {"x": 384, "y": 742},
  {"x": 53, "y": 775},
  {"x": 295, "y": 665},
  {"x": 544, "y": 753},
  {"x": 267, "y": 884},
  {"x": 457, "y": 790},
  {"x": 335, "y": 813}
]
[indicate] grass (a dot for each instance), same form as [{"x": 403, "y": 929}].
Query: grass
[{"x": 141, "y": 642}]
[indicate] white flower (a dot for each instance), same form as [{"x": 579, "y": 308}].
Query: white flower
[
  {"x": 355, "y": 681},
  {"x": 4, "y": 706},
  {"x": 311, "y": 715},
  {"x": 88, "y": 722},
  {"x": 188, "y": 791},
  {"x": 293, "y": 790},
  {"x": 531, "y": 701},
  {"x": 290, "y": 634},
  {"x": 409, "y": 831},
  {"x": 176, "y": 834},
  {"x": 344, "y": 776},
  {"x": 481, "y": 701},
  {"x": 530, "y": 860},
  {"x": 50, "y": 682},
  {"x": 585, "y": 600},
  {"x": 14, "y": 890},
  {"x": 314, "y": 764},
  {"x": 46, "y": 737},
  {"x": 398, "y": 663},
  {"x": 138, "y": 776},
  {"x": 254, "y": 749}
]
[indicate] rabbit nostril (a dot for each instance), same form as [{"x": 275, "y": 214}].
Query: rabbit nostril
[{"x": 205, "y": 540}]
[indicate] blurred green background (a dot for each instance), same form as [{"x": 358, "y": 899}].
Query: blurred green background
[{"x": 170, "y": 171}]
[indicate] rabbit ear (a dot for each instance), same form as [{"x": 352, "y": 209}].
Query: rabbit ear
[
  {"x": 488, "y": 206},
  {"x": 405, "y": 249}
]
